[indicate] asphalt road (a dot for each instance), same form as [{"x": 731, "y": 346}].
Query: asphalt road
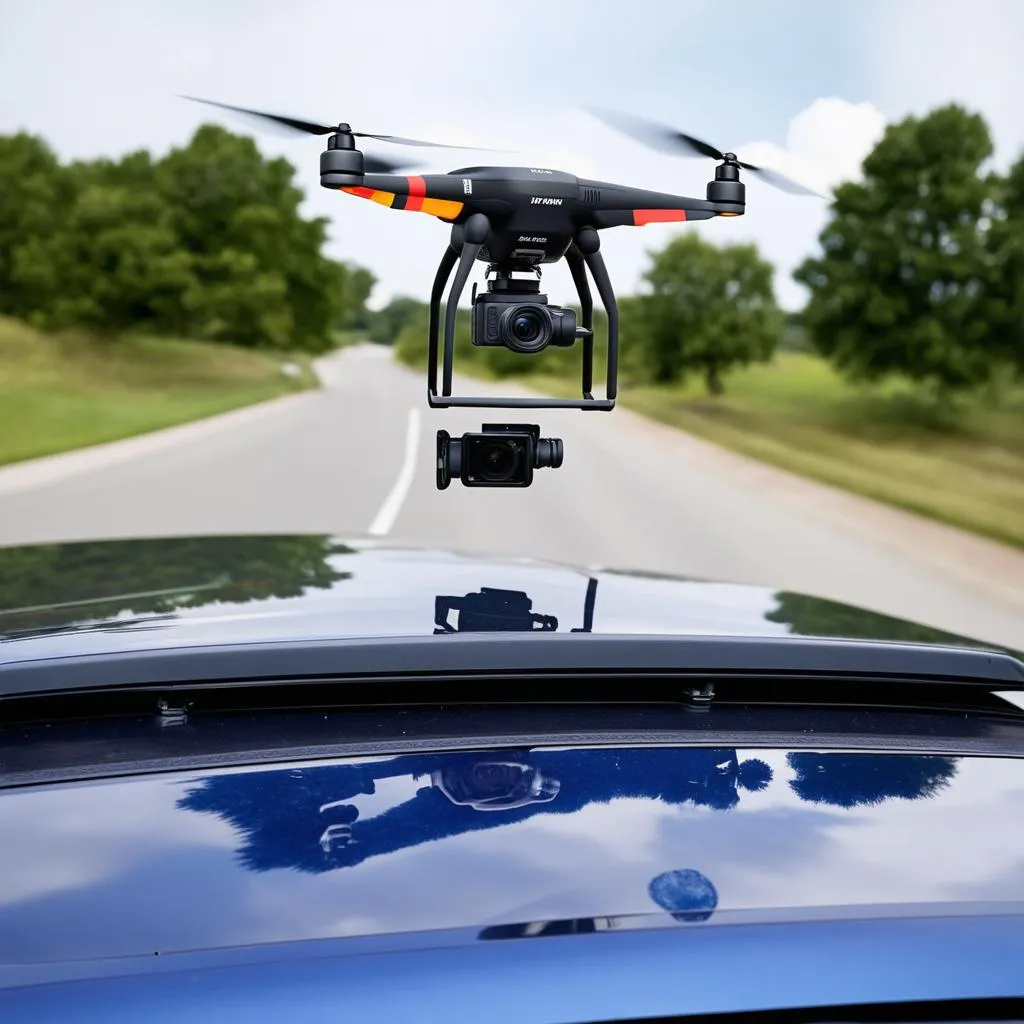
[{"x": 357, "y": 457}]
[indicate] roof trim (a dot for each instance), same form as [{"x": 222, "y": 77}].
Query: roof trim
[{"x": 524, "y": 652}]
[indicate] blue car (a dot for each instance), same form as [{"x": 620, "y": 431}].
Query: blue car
[{"x": 309, "y": 779}]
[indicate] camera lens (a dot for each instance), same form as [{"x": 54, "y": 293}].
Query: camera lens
[
  {"x": 526, "y": 328},
  {"x": 496, "y": 461}
]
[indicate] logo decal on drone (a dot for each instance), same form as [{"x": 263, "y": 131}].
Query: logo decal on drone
[{"x": 544, "y": 201}]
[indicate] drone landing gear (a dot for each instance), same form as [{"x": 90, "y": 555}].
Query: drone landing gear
[{"x": 466, "y": 247}]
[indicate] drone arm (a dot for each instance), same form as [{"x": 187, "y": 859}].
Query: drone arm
[
  {"x": 638, "y": 218},
  {"x": 618, "y": 205}
]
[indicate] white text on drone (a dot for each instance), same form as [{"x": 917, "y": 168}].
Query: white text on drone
[
  {"x": 544, "y": 201},
  {"x": 531, "y": 238}
]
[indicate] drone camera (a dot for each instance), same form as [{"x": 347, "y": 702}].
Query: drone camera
[
  {"x": 516, "y": 315},
  {"x": 501, "y": 455}
]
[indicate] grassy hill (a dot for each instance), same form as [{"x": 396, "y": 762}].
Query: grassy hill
[{"x": 75, "y": 389}]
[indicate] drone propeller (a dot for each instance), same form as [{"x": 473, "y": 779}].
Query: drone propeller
[
  {"x": 668, "y": 140},
  {"x": 312, "y": 128}
]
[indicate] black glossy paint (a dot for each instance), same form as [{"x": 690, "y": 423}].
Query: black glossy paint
[
  {"x": 99, "y": 597},
  {"x": 485, "y": 841}
]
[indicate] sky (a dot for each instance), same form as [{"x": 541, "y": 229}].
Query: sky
[{"x": 804, "y": 86}]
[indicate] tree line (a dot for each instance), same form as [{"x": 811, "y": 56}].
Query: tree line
[
  {"x": 920, "y": 274},
  {"x": 920, "y": 277},
  {"x": 206, "y": 242}
]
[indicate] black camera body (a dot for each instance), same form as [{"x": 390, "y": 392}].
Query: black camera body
[
  {"x": 515, "y": 314},
  {"x": 501, "y": 455}
]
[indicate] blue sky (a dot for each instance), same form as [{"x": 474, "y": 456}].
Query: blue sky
[{"x": 804, "y": 85}]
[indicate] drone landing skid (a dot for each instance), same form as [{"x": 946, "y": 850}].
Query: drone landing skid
[{"x": 583, "y": 254}]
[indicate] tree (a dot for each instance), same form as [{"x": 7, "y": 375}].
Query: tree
[
  {"x": 208, "y": 241},
  {"x": 115, "y": 262},
  {"x": 901, "y": 285},
  {"x": 1006, "y": 248},
  {"x": 261, "y": 278},
  {"x": 356, "y": 285},
  {"x": 386, "y": 324},
  {"x": 707, "y": 309},
  {"x": 33, "y": 191}
]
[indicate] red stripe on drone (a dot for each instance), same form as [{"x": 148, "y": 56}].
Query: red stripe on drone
[
  {"x": 358, "y": 190},
  {"x": 417, "y": 190},
  {"x": 642, "y": 217}
]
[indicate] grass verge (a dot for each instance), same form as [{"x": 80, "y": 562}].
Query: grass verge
[
  {"x": 963, "y": 466},
  {"x": 60, "y": 392}
]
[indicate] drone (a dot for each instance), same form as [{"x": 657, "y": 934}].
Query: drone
[{"x": 515, "y": 220}]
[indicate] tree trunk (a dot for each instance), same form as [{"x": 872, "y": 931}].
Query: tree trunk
[{"x": 713, "y": 381}]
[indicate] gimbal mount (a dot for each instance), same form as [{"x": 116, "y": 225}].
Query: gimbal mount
[{"x": 466, "y": 246}]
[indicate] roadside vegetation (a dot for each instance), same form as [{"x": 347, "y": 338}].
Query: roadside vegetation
[
  {"x": 962, "y": 466},
  {"x": 143, "y": 292},
  {"x": 68, "y": 390}
]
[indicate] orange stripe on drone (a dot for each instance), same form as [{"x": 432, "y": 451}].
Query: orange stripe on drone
[
  {"x": 373, "y": 194},
  {"x": 641, "y": 217},
  {"x": 446, "y": 209}
]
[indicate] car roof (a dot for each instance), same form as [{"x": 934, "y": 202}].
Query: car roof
[{"x": 84, "y": 597}]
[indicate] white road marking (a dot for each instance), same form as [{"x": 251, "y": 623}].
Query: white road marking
[{"x": 385, "y": 518}]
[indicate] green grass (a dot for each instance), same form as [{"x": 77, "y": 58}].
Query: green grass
[
  {"x": 63, "y": 392},
  {"x": 964, "y": 467}
]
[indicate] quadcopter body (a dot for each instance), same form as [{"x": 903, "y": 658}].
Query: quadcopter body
[
  {"x": 534, "y": 213},
  {"x": 516, "y": 220}
]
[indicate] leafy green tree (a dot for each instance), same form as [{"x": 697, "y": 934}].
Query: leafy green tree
[
  {"x": 900, "y": 288},
  {"x": 386, "y": 324},
  {"x": 261, "y": 278},
  {"x": 113, "y": 263},
  {"x": 707, "y": 310},
  {"x": 1006, "y": 247},
  {"x": 34, "y": 191},
  {"x": 357, "y": 284}
]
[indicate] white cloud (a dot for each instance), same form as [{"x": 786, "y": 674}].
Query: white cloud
[{"x": 826, "y": 143}]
